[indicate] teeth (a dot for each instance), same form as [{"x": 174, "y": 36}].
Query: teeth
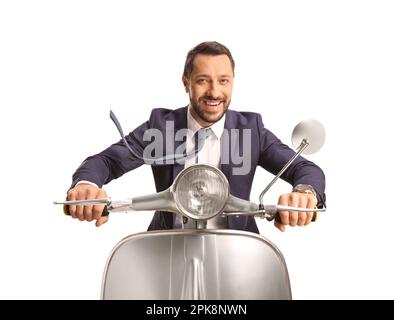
[{"x": 212, "y": 103}]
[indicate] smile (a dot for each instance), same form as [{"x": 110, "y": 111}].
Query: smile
[
  {"x": 212, "y": 105},
  {"x": 212, "y": 102}
]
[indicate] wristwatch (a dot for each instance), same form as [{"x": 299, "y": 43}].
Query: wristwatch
[{"x": 304, "y": 188}]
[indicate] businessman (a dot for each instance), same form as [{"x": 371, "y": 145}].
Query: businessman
[{"x": 235, "y": 142}]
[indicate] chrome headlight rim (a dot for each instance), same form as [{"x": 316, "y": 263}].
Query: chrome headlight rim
[{"x": 187, "y": 170}]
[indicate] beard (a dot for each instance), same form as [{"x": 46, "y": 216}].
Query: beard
[{"x": 209, "y": 117}]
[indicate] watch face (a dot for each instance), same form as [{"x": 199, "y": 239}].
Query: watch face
[{"x": 304, "y": 188}]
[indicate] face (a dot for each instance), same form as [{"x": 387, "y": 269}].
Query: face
[{"x": 209, "y": 87}]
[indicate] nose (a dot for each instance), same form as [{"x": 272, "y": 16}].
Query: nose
[{"x": 213, "y": 90}]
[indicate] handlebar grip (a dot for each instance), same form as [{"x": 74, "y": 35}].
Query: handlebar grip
[
  {"x": 314, "y": 217},
  {"x": 67, "y": 212}
]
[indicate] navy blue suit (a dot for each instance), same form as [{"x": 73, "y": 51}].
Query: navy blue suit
[{"x": 267, "y": 151}]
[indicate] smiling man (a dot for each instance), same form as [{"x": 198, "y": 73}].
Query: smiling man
[{"x": 208, "y": 79}]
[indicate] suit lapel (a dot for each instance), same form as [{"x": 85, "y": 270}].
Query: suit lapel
[
  {"x": 226, "y": 148},
  {"x": 180, "y": 122},
  {"x": 229, "y": 147}
]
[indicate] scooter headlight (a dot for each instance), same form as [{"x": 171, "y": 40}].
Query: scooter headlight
[{"x": 201, "y": 191}]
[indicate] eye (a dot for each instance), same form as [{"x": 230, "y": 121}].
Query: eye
[
  {"x": 224, "y": 81},
  {"x": 201, "y": 81}
]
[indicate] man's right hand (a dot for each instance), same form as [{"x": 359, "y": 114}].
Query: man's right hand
[{"x": 84, "y": 191}]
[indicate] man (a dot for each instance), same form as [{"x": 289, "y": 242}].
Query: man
[{"x": 208, "y": 80}]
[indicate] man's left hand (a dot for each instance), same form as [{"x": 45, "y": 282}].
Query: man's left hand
[{"x": 293, "y": 218}]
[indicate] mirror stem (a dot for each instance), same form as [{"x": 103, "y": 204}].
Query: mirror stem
[{"x": 304, "y": 144}]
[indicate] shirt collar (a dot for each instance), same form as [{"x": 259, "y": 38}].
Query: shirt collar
[{"x": 194, "y": 126}]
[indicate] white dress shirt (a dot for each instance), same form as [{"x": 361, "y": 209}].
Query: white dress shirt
[{"x": 210, "y": 152}]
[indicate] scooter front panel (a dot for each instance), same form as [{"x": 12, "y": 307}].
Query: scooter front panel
[{"x": 196, "y": 264}]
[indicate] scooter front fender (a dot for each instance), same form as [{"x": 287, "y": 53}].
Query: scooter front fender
[{"x": 195, "y": 264}]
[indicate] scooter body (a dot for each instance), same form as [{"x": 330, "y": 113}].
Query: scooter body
[{"x": 196, "y": 264}]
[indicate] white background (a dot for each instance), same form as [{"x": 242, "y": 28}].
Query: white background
[{"x": 64, "y": 64}]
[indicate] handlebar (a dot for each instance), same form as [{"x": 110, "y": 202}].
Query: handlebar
[
  {"x": 109, "y": 206},
  {"x": 271, "y": 212},
  {"x": 268, "y": 212}
]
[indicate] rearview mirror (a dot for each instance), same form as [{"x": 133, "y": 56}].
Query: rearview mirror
[{"x": 312, "y": 131}]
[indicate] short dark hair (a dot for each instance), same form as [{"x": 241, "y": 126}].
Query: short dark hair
[{"x": 212, "y": 48}]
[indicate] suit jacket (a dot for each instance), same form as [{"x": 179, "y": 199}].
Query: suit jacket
[{"x": 267, "y": 151}]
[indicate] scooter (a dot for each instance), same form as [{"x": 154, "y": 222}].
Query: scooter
[{"x": 195, "y": 262}]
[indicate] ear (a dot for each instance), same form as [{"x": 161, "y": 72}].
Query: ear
[{"x": 185, "y": 83}]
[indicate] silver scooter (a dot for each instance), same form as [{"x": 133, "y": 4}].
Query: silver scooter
[{"x": 195, "y": 262}]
